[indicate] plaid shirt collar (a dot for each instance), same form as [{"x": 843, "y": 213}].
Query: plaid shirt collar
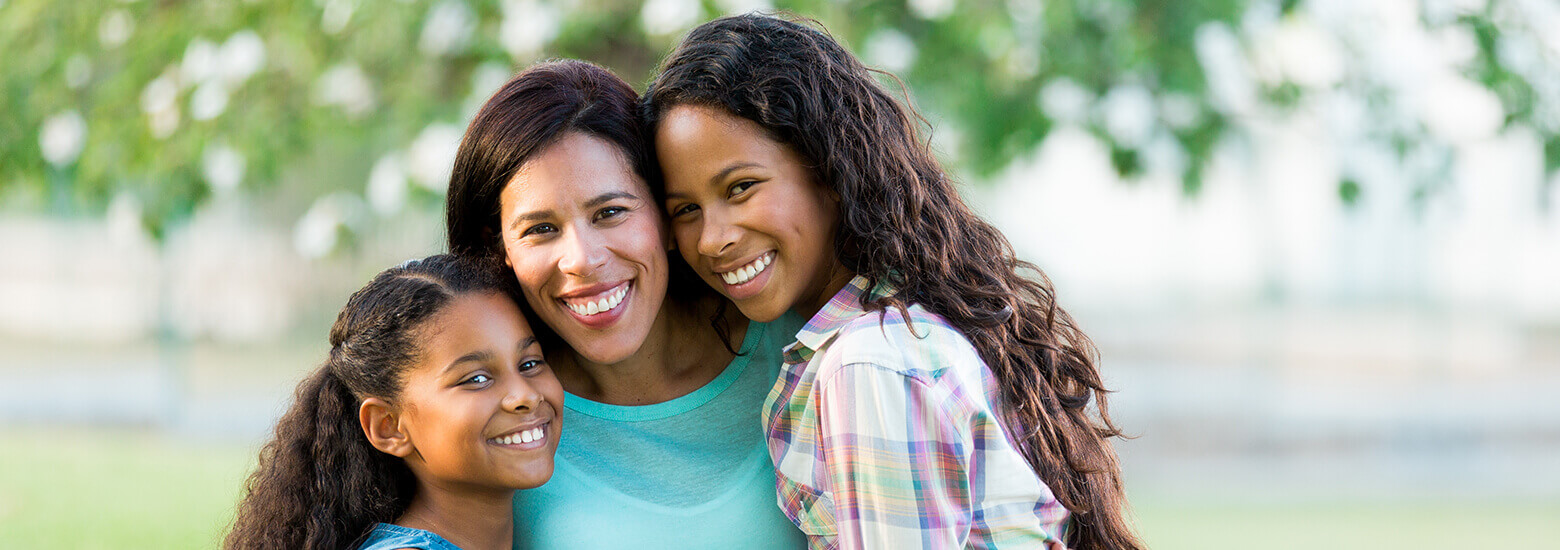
[{"x": 842, "y": 308}]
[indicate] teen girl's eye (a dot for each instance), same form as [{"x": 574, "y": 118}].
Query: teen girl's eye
[
  {"x": 682, "y": 209},
  {"x": 738, "y": 187}
]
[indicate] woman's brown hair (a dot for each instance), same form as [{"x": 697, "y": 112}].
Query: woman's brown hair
[{"x": 902, "y": 221}]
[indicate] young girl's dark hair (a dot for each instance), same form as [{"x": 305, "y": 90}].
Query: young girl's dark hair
[
  {"x": 902, "y": 221},
  {"x": 319, "y": 483}
]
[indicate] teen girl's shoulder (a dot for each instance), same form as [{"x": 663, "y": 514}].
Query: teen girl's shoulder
[{"x": 914, "y": 342}]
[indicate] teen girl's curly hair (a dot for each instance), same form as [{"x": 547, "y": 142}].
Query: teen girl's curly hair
[
  {"x": 902, "y": 221},
  {"x": 320, "y": 484}
]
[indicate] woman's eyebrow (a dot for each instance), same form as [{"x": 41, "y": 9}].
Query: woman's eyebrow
[
  {"x": 535, "y": 215},
  {"x": 609, "y": 196}
]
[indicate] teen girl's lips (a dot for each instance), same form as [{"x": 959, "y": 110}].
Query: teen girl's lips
[
  {"x": 598, "y": 306},
  {"x": 746, "y": 280},
  {"x": 524, "y": 439}
]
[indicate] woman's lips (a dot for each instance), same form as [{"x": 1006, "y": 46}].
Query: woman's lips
[{"x": 601, "y": 309}]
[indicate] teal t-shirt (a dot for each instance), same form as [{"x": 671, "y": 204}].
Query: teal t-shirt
[{"x": 693, "y": 472}]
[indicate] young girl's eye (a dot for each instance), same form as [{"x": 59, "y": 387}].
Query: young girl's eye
[
  {"x": 539, "y": 229},
  {"x": 530, "y": 365},
  {"x": 477, "y": 379},
  {"x": 609, "y": 212}
]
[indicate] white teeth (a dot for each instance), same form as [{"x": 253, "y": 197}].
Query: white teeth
[
  {"x": 602, "y": 305},
  {"x": 525, "y": 436},
  {"x": 746, "y": 273}
]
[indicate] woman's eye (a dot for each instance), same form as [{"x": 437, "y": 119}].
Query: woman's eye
[
  {"x": 530, "y": 365},
  {"x": 477, "y": 379},
  {"x": 609, "y": 212},
  {"x": 539, "y": 229}
]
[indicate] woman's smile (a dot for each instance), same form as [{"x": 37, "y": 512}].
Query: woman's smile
[{"x": 598, "y": 306}]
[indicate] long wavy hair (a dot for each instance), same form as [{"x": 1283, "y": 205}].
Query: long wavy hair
[
  {"x": 534, "y": 110},
  {"x": 320, "y": 485},
  {"x": 902, "y": 221}
]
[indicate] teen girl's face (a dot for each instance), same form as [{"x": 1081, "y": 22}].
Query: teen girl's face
[
  {"x": 588, "y": 246},
  {"x": 747, "y": 214},
  {"x": 481, "y": 407}
]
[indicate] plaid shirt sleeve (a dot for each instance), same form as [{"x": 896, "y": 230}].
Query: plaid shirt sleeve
[
  {"x": 904, "y": 457},
  {"x": 887, "y": 437}
]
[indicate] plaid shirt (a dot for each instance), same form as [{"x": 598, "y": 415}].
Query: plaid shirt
[{"x": 886, "y": 435}]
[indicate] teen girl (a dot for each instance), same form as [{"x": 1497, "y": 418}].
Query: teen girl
[
  {"x": 434, "y": 405},
  {"x": 665, "y": 448},
  {"x": 937, "y": 398}
]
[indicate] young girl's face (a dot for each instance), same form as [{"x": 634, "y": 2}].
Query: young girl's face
[
  {"x": 481, "y": 407},
  {"x": 747, "y": 214},
  {"x": 588, "y": 245}
]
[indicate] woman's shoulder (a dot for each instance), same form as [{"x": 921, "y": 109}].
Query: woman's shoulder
[{"x": 395, "y": 537}]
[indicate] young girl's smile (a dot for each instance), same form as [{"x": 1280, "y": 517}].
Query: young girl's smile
[
  {"x": 747, "y": 214},
  {"x": 481, "y": 406},
  {"x": 587, "y": 245}
]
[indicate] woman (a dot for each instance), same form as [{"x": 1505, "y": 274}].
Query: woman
[
  {"x": 937, "y": 396},
  {"x": 664, "y": 446}
]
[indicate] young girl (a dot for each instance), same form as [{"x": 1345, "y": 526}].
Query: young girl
[
  {"x": 937, "y": 398},
  {"x": 432, "y": 408}
]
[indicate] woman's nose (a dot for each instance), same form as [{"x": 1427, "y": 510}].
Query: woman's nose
[{"x": 583, "y": 253}]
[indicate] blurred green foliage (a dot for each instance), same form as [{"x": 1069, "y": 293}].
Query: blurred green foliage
[{"x": 157, "y": 96}]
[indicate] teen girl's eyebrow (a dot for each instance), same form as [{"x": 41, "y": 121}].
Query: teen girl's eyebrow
[{"x": 721, "y": 175}]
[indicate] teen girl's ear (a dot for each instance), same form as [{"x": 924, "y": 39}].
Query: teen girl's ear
[{"x": 382, "y": 425}]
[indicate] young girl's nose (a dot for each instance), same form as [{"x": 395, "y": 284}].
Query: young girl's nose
[
  {"x": 716, "y": 233},
  {"x": 521, "y": 396}
]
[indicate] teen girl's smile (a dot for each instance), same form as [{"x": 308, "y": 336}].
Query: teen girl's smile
[
  {"x": 747, "y": 213},
  {"x": 587, "y": 245}
]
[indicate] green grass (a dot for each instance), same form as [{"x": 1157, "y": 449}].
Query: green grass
[{"x": 84, "y": 489}]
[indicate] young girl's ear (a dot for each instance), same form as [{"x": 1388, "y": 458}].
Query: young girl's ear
[{"x": 382, "y": 425}]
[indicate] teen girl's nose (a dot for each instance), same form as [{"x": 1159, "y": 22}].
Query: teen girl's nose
[
  {"x": 583, "y": 251},
  {"x": 716, "y": 233},
  {"x": 521, "y": 395}
]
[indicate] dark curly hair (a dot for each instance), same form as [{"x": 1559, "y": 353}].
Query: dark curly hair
[
  {"x": 320, "y": 485},
  {"x": 902, "y": 221}
]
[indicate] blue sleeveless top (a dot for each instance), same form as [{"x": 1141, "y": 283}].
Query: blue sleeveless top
[
  {"x": 692, "y": 472},
  {"x": 394, "y": 537}
]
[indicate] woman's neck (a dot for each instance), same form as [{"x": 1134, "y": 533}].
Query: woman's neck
[
  {"x": 469, "y": 520},
  {"x": 681, "y": 354}
]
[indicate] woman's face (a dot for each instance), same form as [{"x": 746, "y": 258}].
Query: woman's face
[
  {"x": 747, "y": 214},
  {"x": 588, "y": 246},
  {"x": 481, "y": 407}
]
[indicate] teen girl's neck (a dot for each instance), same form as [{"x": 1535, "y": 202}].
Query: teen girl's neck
[{"x": 680, "y": 354}]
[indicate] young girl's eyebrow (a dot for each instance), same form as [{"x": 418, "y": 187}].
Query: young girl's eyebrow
[
  {"x": 732, "y": 168},
  {"x": 473, "y": 357}
]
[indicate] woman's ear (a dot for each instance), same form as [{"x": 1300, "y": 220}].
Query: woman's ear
[{"x": 382, "y": 425}]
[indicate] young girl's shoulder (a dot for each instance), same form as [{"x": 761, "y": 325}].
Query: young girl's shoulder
[
  {"x": 914, "y": 342},
  {"x": 395, "y": 537}
]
